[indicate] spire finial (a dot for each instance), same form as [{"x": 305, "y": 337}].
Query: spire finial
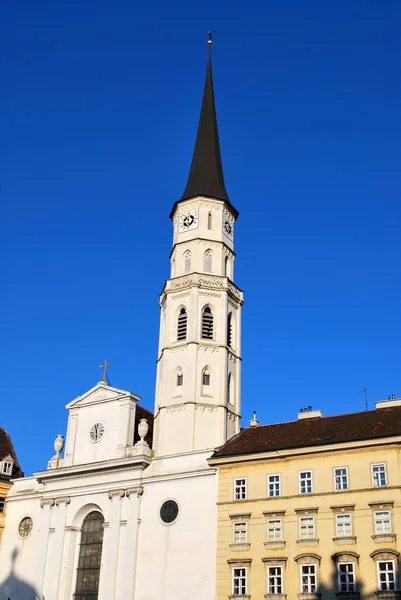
[
  {"x": 210, "y": 40},
  {"x": 104, "y": 367}
]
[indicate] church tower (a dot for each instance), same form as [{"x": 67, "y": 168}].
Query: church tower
[{"x": 197, "y": 403}]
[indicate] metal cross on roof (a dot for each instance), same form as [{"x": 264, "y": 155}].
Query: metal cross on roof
[{"x": 104, "y": 367}]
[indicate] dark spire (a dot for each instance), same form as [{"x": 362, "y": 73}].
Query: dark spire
[{"x": 206, "y": 173}]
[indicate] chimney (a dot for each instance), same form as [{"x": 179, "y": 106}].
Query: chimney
[
  {"x": 308, "y": 413},
  {"x": 254, "y": 422},
  {"x": 392, "y": 400}
]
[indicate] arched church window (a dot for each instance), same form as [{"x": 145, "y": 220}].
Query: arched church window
[
  {"x": 90, "y": 554},
  {"x": 173, "y": 267},
  {"x": 207, "y": 323},
  {"x": 209, "y": 221},
  {"x": 206, "y": 376},
  {"x": 187, "y": 262},
  {"x": 182, "y": 325},
  {"x": 229, "y": 330},
  {"x": 226, "y": 266},
  {"x": 180, "y": 377},
  {"x": 207, "y": 263}
]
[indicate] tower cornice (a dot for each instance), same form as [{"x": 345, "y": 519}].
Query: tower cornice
[{"x": 201, "y": 280}]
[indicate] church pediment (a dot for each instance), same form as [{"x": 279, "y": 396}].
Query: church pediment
[{"x": 100, "y": 394}]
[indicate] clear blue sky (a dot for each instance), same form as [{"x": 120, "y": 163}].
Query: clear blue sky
[{"x": 99, "y": 106}]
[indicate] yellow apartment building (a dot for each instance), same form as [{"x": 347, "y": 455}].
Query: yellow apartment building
[
  {"x": 9, "y": 469},
  {"x": 311, "y": 508}
]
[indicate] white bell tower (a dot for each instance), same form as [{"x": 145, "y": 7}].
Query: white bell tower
[{"x": 197, "y": 403}]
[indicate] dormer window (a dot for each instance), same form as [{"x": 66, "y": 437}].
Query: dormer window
[{"x": 7, "y": 467}]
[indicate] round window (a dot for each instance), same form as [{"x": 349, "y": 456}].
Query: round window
[{"x": 169, "y": 511}]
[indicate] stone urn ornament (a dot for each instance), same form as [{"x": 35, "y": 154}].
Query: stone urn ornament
[
  {"x": 58, "y": 444},
  {"x": 143, "y": 429}
]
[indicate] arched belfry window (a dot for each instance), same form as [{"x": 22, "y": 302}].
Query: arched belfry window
[
  {"x": 207, "y": 261},
  {"x": 187, "y": 261},
  {"x": 206, "y": 376},
  {"x": 209, "y": 221},
  {"x": 90, "y": 555},
  {"x": 180, "y": 377},
  {"x": 229, "y": 389},
  {"x": 229, "y": 330},
  {"x": 182, "y": 325},
  {"x": 207, "y": 323},
  {"x": 226, "y": 266}
]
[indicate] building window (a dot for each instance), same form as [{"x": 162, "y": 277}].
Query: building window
[
  {"x": 229, "y": 391},
  {"x": 308, "y": 579},
  {"x": 379, "y": 478},
  {"x": 229, "y": 330},
  {"x": 209, "y": 221},
  {"x": 7, "y": 467},
  {"x": 240, "y": 581},
  {"x": 2, "y": 502},
  {"x": 206, "y": 376},
  {"x": 180, "y": 378},
  {"x": 273, "y": 485},
  {"x": 207, "y": 323},
  {"x": 207, "y": 261},
  {"x": 182, "y": 325},
  {"x": 240, "y": 489},
  {"x": 386, "y": 575},
  {"x": 305, "y": 482},
  {"x": 240, "y": 532},
  {"x": 343, "y": 525},
  {"x": 382, "y": 522},
  {"x": 346, "y": 577},
  {"x": 341, "y": 478},
  {"x": 187, "y": 262},
  {"x": 90, "y": 554},
  {"x": 275, "y": 579},
  {"x": 226, "y": 266},
  {"x": 274, "y": 530},
  {"x": 307, "y": 528}
]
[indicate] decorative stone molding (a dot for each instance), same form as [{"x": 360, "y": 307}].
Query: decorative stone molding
[
  {"x": 240, "y": 515},
  {"x": 62, "y": 500},
  {"x": 115, "y": 494},
  {"x": 239, "y": 561},
  {"x": 307, "y": 542},
  {"x": 233, "y": 303},
  {"x": 345, "y": 556},
  {"x": 47, "y": 502},
  {"x": 175, "y": 408},
  {"x": 206, "y": 348},
  {"x": 343, "y": 540},
  {"x": 231, "y": 416},
  {"x": 315, "y": 596},
  {"x": 179, "y": 295},
  {"x": 274, "y": 559},
  {"x": 213, "y": 294},
  {"x": 176, "y": 349},
  {"x": 385, "y": 554},
  {"x": 384, "y": 537},
  {"x": 210, "y": 281},
  {"x": 206, "y": 408},
  {"x": 134, "y": 490},
  {"x": 308, "y": 558},
  {"x": 232, "y": 357},
  {"x": 348, "y": 595},
  {"x": 275, "y": 596},
  {"x": 239, "y": 547},
  {"x": 276, "y": 545}
]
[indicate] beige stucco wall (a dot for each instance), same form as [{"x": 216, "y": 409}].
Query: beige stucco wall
[{"x": 324, "y": 502}]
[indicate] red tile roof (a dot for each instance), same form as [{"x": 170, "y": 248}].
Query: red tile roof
[
  {"x": 7, "y": 448},
  {"x": 316, "y": 431}
]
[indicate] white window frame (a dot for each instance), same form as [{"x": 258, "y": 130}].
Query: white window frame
[
  {"x": 340, "y": 487},
  {"x": 309, "y": 518},
  {"x": 309, "y": 584},
  {"x": 350, "y": 587},
  {"x": 380, "y": 520},
  {"x": 376, "y": 480},
  {"x": 278, "y": 530},
  {"x": 243, "y": 488},
  {"x": 278, "y": 580},
  {"x": 243, "y": 590},
  {"x": 387, "y": 582},
  {"x": 305, "y": 480},
  {"x": 276, "y": 485},
  {"x": 340, "y": 519},
  {"x": 240, "y": 527},
  {"x": 7, "y": 467}
]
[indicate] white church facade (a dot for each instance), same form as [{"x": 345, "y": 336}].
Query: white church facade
[{"x": 112, "y": 518}]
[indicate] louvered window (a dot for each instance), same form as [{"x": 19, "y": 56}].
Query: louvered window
[
  {"x": 180, "y": 378},
  {"x": 187, "y": 262},
  {"x": 206, "y": 378},
  {"x": 182, "y": 325},
  {"x": 209, "y": 221},
  {"x": 229, "y": 330},
  {"x": 207, "y": 324}
]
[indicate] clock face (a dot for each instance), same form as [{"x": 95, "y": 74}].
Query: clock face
[
  {"x": 25, "y": 527},
  {"x": 189, "y": 220},
  {"x": 228, "y": 227},
  {"x": 96, "y": 432}
]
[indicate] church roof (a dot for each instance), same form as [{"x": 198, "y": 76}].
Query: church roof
[
  {"x": 316, "y": 431},
  {"x": 206, "y": 172},
  {"x": 7, "y": 449}
]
